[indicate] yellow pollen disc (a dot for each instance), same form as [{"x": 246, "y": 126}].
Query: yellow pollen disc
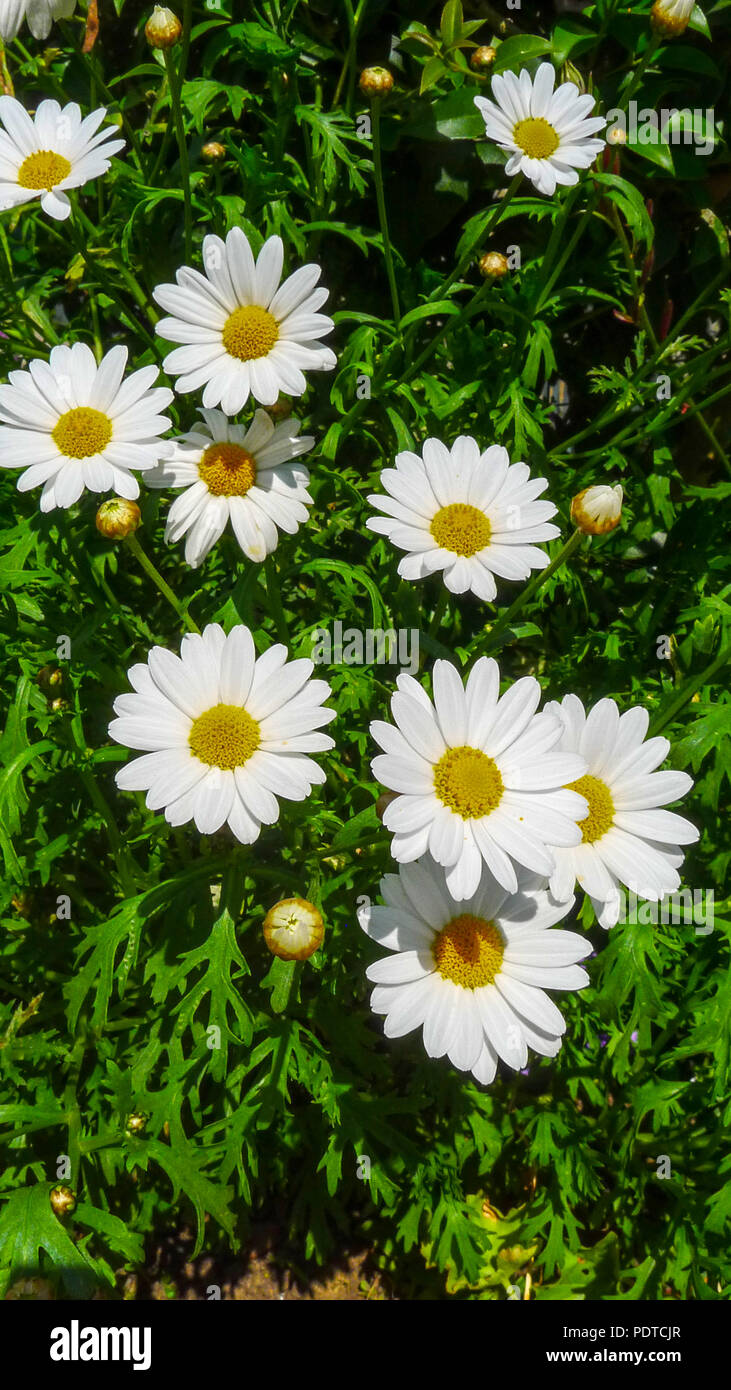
[
  {"x": 536, "y": 137},
  {"x": 225, "y": 736},
  {"x": 469, "y": 951},
  {"x": 461, "y": 528},
  {"x": 44, "y": 169},
  {"x": 601, "y": 808},
  {"x": 250, "y": 332},
  {"x": 82, "y": 432},
  {"x": 227, "y": 470},
  {"x": 468, "y": 782}
]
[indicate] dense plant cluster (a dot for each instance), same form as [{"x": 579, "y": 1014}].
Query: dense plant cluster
[{"x": 162, "y": 1050}]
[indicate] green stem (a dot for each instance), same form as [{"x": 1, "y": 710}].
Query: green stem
[
  {"x": 489, "y": 227},
  {"x": 274, "y": 599},
  {"x": 126, "y": 868},
  {"x": 7, "y": 81},
  {"x": 578, "y": 232},
  {"x": 674, "y": 706},
  {"x": 641, "y": 68},
  {"x": 381, "y": 201},
  {"x": 489, "y": 642},
  {"x": 154, "y": 574},
  {"x": 175, "y": 81}
]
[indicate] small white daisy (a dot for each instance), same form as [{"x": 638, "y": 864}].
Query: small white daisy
[
  {"x": 224, "y": 733},
  {"x": 472, "y": 973},
  {"x": 73, "y": 425},
  {"x": 626, "y": 839},
  {"x": 548, "y": 135},
  {"x": 40, "y": 15},
  {"x": 244, "y": 333},
  {"x": 471, "y": 514},
  {"x": 233, "y": 474},
  {"x": 477, "y": 776},
  {"x": 56, "y": 150}
]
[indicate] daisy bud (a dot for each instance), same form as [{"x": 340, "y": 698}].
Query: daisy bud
[
  {"x": 163, "y": 28},
  {"x": 117, "y": 518},
  {"x": 483, "y": 57},
  {"x": 59, "y": 705},
  {"x": 375, "y": 82},
  {"x": 570, "y": 73},
  {"x": 617, "y": 135},
  {"x": 670, "y": 17},
  {"x": 493, "y": 265},
  {"x": 213, "y": 150},
  {"x": 597, "y": 509},
  {"x": 63, "y": 1201},
  {"x": 136, "y": 1123},
  {"x": 49, "y": 678},
  {"x": 293, "y": 929}
]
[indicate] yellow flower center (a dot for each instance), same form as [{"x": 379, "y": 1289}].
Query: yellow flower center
[
  {"x": 227, "y": 470},
  {"x": 601, "y": 808},
  {"x": 44, "y": 169},
  {"x": 468, "y": 782},
  {"x": 82, "y": 432},
  {"x": 461, "y": 528},
  {"x": 536, "y": 137},
  {"x": 250, "y": 332},
  {"x": 469, "y": 951},
  {"x": 225, "y": 736}
]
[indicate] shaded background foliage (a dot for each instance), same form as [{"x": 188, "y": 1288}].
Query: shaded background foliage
[{"x": 106, "y": 1014}]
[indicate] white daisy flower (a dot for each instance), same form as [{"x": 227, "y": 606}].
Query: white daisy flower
[
  {"x": 471, "y": 514},
  {"x": 626, "y": 839},
  {"x": 548, "y": 135},
  {"x": 671, "y": 17},
  {"x": 478, "y": 777},
  {"x": 73, "y": 425},
  {"x": 472, "y": 973},
  {"x": 40, "y": 15},
  {"x": 235, "y": 474},
  {"x": 244, "y": 332},
  {"x": 56, "y": 150},
  {"x": 224, "y": 733}
]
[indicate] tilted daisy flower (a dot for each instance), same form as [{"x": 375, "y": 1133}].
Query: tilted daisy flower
[
  {"x": 233, "y": 474},
  {"x": 244, "y": 333},
  {"x": 472, "y": 973},
  {"x": 548, "y": 135},
  {"x": 73, "y": 425},
  {"x": 469, "y": 513},
  {"x": 223, "y": 732},
  {"x": 40, "y": 15},
  {"x": 626, "y": 838},
  {"x": 478, "y": 777},
  {"x": 41, "y": 157}
]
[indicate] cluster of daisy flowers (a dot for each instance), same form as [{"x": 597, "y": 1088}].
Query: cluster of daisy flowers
[{"x": 497, "y": 810}]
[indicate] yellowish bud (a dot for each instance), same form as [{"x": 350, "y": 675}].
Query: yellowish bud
[
  {"x": 136, "y": 1123},
  {"x": 163, "y": 28},
  {"x": 213, "y": 150},
  {"x": 598, "y": 509},
  {"x": 117, "y": 518},
  {"x": 493, "y": 265},
  {"x": 483, "y": 57},
  {"x": 63, "y": 1201},
  {"x": 375, "y": 82},
  {"x": 671, "y": 17},
  {"x": 293, "y": 929}
]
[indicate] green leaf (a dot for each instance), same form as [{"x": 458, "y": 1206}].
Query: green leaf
[{"x": 515, "y": 53}]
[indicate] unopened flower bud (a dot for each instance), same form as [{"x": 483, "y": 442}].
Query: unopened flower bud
[
  {"x": 59, "y": 705},
  {"x": 493, "y": 265},
  {"x": 375, "y": 82},
  {"x": 63, "y": 1201},
  {"x": 597, "y": 509},
  {"x": 670, "y": 17},
  {"x": 483, "y": 57},
  {"x": 136, "y": 1123},
  {"x": 117, "y": 518},
  {"x": 49, "y": 678},
  {"x": 570, "y": 73},
  {"x": 293, "y": 929},
  {"x": 617, "y": 135},
  {"x": 163, "y": 28},
  {"x": 213, "y": 150}
]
